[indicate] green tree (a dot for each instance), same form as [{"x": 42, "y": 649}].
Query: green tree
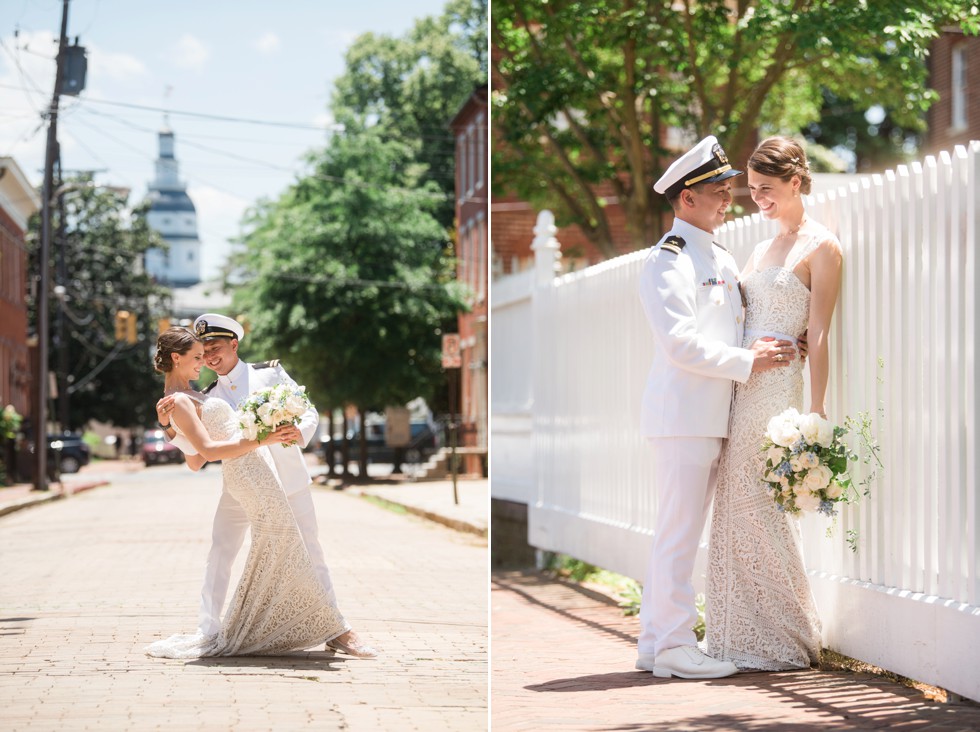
[
  {"x": 348, "y": 279},
  {"x": 103, "y": 247},
  {"x": 870, "y": 134},
  {"x": 586, "y": 90},
  {"x": 410, "y": 87}
]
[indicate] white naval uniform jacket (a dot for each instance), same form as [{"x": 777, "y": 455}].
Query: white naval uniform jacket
[
  {"x": 245, "y": 379},
  {"x": 694, "y": 307}
]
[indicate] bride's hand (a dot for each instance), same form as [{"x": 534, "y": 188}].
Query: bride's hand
[
  {"x": 286, "y": 434},
  {"x": 164, "y": 407}
]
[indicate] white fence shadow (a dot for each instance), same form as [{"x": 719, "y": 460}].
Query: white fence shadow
[{"x": 570, "y": 356}]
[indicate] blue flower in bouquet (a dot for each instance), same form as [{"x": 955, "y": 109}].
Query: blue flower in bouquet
[
  {"x": 806, "y": 463},
  {"x": 270, "y": 408}
]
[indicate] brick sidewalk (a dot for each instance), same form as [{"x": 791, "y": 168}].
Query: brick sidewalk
[
  {"x": 89, "y": 581},
  {"x": 563, "y": 660}
]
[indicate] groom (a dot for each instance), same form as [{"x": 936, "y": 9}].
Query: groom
[
  {"x": 236, "y": 381},
  {"x": 692, "y": 299}
]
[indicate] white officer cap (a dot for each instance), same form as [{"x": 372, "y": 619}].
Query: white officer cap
[
  {"x": 706, "y": 162},
  {"x": 212, "y": 325}
]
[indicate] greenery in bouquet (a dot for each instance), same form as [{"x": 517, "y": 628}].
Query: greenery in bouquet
[
  {"x": 808, "y": 461},
  {"x": 267, "y": 409}
]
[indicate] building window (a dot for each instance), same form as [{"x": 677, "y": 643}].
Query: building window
[
  {"x": 461, "y": 161},
  {"x": 481, "y": 264},
  {"x": 481, "y": 150},
  {"x": 470, "y": 159},
  {"x": 959, "y": 87}
]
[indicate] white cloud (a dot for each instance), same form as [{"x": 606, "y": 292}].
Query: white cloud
[
  {"x": 190, "y": 52},
  {"x": 268, "y": 43},
  {"x": 327, "y": 122},
  {"x": 114, "y": 66},
  {"x": 219, "y": 214},
  {"x": 340, "y": 37}
]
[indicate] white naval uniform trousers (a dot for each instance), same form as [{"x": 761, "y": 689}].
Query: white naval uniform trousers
[
  {"x": 694, "y": 308},
  {"x": 230, "y": 521}
]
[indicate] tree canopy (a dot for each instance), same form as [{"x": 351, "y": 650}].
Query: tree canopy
[
  {"x": 587, "y": 91},
  {"x": 348, "y": 278},
  {"x": 409, "y": 87},
  {"x": 103, "y": 248}
]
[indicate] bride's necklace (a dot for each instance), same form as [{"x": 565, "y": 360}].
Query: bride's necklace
[{"x": 792, "y": 231}]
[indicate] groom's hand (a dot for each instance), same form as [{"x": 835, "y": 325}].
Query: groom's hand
[
  {"x": 803, "y": 346},
  {"x": 772, "y": 354}
]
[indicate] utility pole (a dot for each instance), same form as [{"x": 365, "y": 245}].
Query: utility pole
[{"x": 41, "y": 408}]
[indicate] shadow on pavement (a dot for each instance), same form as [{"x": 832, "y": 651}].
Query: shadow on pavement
[
  {"x": 316, "y": 661},
  {"x": 544, "y": 587}
]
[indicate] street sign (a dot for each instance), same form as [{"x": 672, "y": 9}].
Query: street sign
[
  {"x": 398, "y": 427},
  {"x": 452, "y": 358}
]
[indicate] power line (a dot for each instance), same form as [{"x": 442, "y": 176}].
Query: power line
[{"x": 216, "y": 117}]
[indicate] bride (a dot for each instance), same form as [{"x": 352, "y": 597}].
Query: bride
[
  {"x": 279, "y": 604},
  {"x": 760, "y": 612}
]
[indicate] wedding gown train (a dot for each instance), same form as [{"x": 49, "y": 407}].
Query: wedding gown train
[{"x": 279, "y": 604}]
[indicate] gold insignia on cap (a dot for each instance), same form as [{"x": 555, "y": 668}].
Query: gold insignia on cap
[
  {"x": 201, "y": 328},
  {"x": 717, "y": 151}
]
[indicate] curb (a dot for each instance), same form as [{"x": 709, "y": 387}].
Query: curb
[
  {"x": 31, "y": 501},
  {"x": 456, "y": 524}
]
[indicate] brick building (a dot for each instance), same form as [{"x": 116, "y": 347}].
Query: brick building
[
  {"x": 954, "y": 72},
  {"x": 18, "y": 200},
  {"x": 472, "y": 224}
]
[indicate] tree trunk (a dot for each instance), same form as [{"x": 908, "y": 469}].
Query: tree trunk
[
  {"x": 331, "y": 446},
  {"x": 362, "y": 458},
  {"x": 345, "y": 453}
]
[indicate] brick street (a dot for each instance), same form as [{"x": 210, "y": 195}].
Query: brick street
[
  {"x": 90, "y": 580},
  {"x": 563, "y": 660}
]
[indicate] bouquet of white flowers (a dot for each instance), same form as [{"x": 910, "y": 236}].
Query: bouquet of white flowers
[
  {"x": 265, "y": 410},
  {"x": 806, "y": 461}
]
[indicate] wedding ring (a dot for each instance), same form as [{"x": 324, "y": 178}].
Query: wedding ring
[{"x": 779, "y": 357}]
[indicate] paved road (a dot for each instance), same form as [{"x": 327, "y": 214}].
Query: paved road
[
  {"x": 563, "y": 660},
  {"x": 87, "y": 582}
]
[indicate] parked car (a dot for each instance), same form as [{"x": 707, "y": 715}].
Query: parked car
[
  {"x": 156, "y": 450},
  {"x": 71, "y": 451},
  {"x": 424, "y": 442}
]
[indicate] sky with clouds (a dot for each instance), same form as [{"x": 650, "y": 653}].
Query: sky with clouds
[{"x": 243, "y": 59}]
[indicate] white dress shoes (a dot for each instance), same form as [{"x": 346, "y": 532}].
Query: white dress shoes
[{"x": 686, "y": 662}]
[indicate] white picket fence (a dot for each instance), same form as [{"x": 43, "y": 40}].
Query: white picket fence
[{"x": 903, "y": 349}]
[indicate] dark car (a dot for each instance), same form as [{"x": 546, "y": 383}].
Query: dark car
[
  {"x": 157, "y": 451},
  {"x": 71, "y": 451},
  {"x": 424, "y": 442}
]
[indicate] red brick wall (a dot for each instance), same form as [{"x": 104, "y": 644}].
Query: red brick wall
[
  {"x": 940, "y": 135},
  {"x": 470, "y": 128},
  {"x": 15, "y": 379},
  {"x": 513, "y": 232}
]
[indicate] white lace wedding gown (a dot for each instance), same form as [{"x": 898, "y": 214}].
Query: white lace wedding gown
[
  {"x": 760, "y": 613},
  {"x": 279, "y": 604}
]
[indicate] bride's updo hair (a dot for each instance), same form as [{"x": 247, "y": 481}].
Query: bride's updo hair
[
  {"x": 172, "y": 340},
  {"x": 782, "y": 157}
]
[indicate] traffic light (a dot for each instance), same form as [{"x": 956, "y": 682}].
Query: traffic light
[{"x": 122, "y": 317}]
